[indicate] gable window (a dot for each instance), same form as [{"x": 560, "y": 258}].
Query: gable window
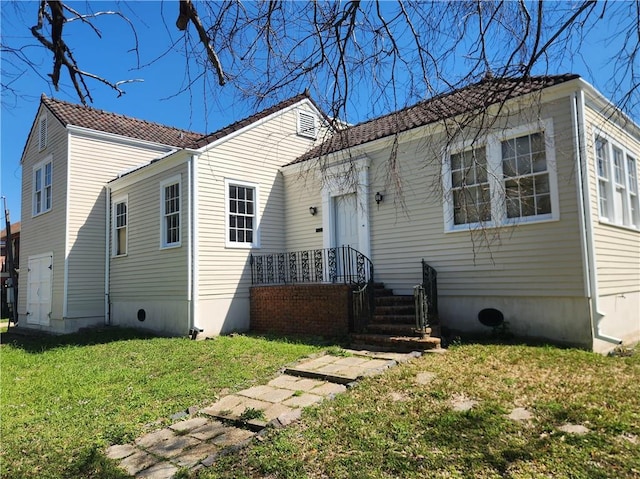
[
  {"x": 307, "y": 124},
  {"x": 42, "y": 187},
  {"x": 508, "y": 180},
  {"x": 242, "y": 214},
  {"x": 120, "y": 223},
  {"x": 617, "y": 177},
  {"x": 170, "y": 206},
  {"x": 42, "y": 132}
]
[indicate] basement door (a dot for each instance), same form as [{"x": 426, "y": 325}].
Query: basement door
[{"x": 39, "y": 275}]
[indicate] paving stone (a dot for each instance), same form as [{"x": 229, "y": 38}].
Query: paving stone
[
  {"x": 574, "y": 429},
  {"x": 328, "y": 389},
  {"x": 232, "y": 436},
  {"x": 248, "y": 403},
  {"x": 154, "y": 437},
  {"x": 120, "y": 451},
  {"x": 227, "y": 403},
  {"x": 172, "y": 447},
  {"x": 425, "y": 377},
  {"x": 398, "y": 397},
  {"x": 208, "y": 430},
  {"x": 304, "y": 400},
  {"x": 290, "y": 417},
  {"x": 377, "y": 364},
  {"x": 137, "y": 462},
  {"x": 276, "y": 410},
  {"x": 520, "y": 414},
  {"x": 337, "y": 369},
  {"x": 189, "y": 424},
  {"x": 351, "y": 361},
  {"x": 462, "y": 403},
  {"x": 193, "y": 456},
  {"x": 178, "y": 415},
  {"x": 267, "y": 393},
  {"x": 162, "y": 470},
  {"x": 294, "y": 383}
]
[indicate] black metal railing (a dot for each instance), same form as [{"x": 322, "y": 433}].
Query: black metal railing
[
  {"x": 426, "y": 298},
  {"x": 342, "y": 264}
]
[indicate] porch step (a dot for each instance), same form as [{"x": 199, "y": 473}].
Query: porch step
[
  {"x": 395, "y": 329},
  {"x": 394, "y": 318},
  {"x": 394, "y": 300},
  {"x": 395, "y": 343},
  {"x": 395, "y": 309}
]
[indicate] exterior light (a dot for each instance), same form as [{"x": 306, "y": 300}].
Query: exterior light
[
  {"x": 313, "y": 210},
  {"x": 379, "y": 197}
]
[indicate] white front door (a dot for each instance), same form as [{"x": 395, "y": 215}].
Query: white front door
[
  {"x": 39, "y": 274},
  {"x": 346, "y": 220}
]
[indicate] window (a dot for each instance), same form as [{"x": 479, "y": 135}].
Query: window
[
  {"x": 42, "y": 181},
  {"x": 170, "y": 191},
  {"x": 242, "y": 214},
  {"x": 307, "y": 124},
  {"x": 617, "y": 183},
  {"x": 508, "y": 180},
  {"x": 42, "y": 132},
  {"x": 470, "y": 187},
  {"x": 120, "y": 216}
]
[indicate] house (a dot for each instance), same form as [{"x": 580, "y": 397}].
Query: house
[
  {"x": 131, "y": 223},
  {"x": 521, "y": 193},
  {"x": 5, "y": 274}
]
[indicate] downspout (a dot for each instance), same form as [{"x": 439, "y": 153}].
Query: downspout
[
  {"x": 192, "y": 290},
  {"x": 586, "y": 221},
  {"x": 107, "y": 256}
]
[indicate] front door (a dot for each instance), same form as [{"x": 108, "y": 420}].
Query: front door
[
  {"x": 346, "y": 231},
  {"x": 39, "y": 274}
]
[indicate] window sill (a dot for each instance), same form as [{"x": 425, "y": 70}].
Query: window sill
[
  {"x": 605, "y": 222},
  {"x": 171, "y": 246},
  {"x": 242, "y": 246},
  {"x": 120, "y": 255},
  {"x": 41, "y": 213},
  {"x": 510, "y": 223}
]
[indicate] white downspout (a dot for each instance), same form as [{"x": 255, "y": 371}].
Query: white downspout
[
  {"x": 586, "y": 221},
  {"x": 107, "y": 256},
  {"x": 192, "y": 281}
]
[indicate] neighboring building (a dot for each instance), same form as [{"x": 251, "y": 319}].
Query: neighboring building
[
  {"x": 4, "y": 265},
  {"x": 522, "y": 194}
]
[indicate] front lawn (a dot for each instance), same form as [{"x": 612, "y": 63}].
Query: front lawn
[
  {"x": 64, "y": 399},
  {"x": 404, "y": 424}
]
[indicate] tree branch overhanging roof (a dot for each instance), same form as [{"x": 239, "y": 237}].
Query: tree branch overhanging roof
[{"x": 479, "y": 95}]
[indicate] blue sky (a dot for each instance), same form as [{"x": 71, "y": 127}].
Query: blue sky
[{"x": 154, "y": 98}]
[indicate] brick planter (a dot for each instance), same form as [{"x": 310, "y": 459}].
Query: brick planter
[{"x": 305, "y": 309}]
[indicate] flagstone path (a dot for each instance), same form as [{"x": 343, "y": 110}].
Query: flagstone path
[{"x": 234, "y": 420}]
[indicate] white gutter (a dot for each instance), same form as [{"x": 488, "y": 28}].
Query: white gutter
[
  {"x": 107, "y": 256},
  {"x": 586, "y": 221}
]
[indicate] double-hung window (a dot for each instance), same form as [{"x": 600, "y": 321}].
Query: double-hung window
[
  {"x": 502, "y": 179},
  {"x": 617, "y": 174},
  {"x": 242, "y": 214},
  {"x": 170, "y": 212},
  {"x": 120, "y": 224},
  {"x": 42, "y": 186}
]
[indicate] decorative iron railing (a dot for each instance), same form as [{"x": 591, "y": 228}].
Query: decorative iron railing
[
  {"x": 342, "y": 264},
  {"x": 426, "y": 298}
]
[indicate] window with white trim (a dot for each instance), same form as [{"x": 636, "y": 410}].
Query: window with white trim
[
  {"x": 42, "y": 187},
  {"x": 307, "y": 124},
  {"x": 170, "y": 206},
  {"x": 42, "y": 132},
  {"x": 510, "y": 179},
  {"x": 617, "y": 175},
  {"x": 120, "y": 226},
  {"x": 242, "y": 214}
]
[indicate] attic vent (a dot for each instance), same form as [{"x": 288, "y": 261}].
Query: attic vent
[
  {"x": 42, "y": 133},
  {"x": 307, "y": 125}
]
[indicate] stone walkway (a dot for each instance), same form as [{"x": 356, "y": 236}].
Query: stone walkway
[{"x": 234, "y": 420}]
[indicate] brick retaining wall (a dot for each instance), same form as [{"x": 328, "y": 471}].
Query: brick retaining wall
[{"x": 308, "y": 309}]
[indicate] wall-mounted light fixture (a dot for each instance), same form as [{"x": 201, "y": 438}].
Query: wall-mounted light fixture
[
  {"x": 313, "y": 210},
  {"x": 379, "y": 197}
]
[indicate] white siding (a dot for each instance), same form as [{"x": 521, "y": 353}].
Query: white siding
[
  {"x": 46, "y": 232},
  {"x": 150, "y": 277},
  {"x": 94, "y": 162},
  {"x": 255, "y": 156}
]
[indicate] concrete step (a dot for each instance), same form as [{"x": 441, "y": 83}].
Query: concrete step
[
  {"x": 395, "y": 329},
  {"x": 393, "y": 318},
  {"x": 395, "y": 343},
  {"x": 394, "y": 300},
  {"x": 395, "y": 309}
]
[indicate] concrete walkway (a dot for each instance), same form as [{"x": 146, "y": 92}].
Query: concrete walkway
[{"x": 234, "y": 420}]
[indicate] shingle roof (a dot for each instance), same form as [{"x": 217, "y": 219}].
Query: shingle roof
[
  {"x": 469, "y": 98},
  {"x": 100, "y": 120},
  {"x": 15, "y": 229}
]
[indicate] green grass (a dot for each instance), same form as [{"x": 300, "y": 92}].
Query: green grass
[
  {"x": 391, "y": 426},
  {"x": 64, "y": 399}
]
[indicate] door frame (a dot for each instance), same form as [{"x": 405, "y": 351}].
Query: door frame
[{"x": 351, "y": 176}]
